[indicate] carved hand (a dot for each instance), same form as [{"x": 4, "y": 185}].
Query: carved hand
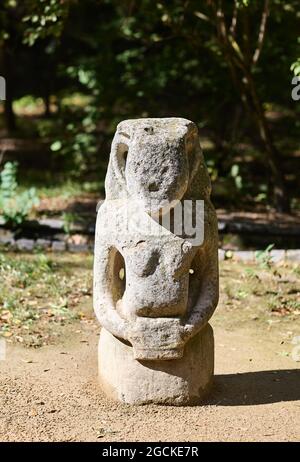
[{"x": 157, "y": 338}]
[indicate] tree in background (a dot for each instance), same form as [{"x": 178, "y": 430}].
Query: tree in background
[
  {"x": 28, "y": 31},
  {"x": 218, "y": 63},
  {"x": 242, "y": 45}
]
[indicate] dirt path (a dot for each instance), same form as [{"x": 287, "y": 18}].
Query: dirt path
[{"x": 51, "y": 394}]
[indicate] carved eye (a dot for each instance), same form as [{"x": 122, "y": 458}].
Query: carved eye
[
  {"x": 119, "y": 276},
  {"x": 122, "y": 152}
]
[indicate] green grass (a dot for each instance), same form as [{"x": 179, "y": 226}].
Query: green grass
[
  {"x": 47, "y": 186},
  {"x": 264, "y": 294},
  {"x": 41, "y": 293}
]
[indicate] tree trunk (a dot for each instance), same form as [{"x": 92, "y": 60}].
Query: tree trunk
[
  {"x": 10, "y": 119},
  {"x": 240, "y": 69},
  {"x": 281, "y": 198},
  {"x": 47, "y": 105}
]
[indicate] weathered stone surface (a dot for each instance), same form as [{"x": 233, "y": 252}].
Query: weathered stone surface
[
  {"x": 6, "y": 237},
  {"x": 221, "y": 254},
  {"x": 244, "y": 255},
  {"x": 293, "y": 255},
  {"x": 277, "y": 255},
  {"x": 25, "y": 244},
  {"x": 169, "y": 288},
  {"x": 78, "y": 243},
  {"x": 78, "y": 247},
  {"x": 43, "y": 243},
  {"x": 176, "y": 382},
  {"x": 58, "y": 246}
]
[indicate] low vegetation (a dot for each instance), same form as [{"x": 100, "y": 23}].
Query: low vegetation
[
  {"x": 75, "y": 69},
  {"x": 41, "y": 293},
  {"x": 15, "y": 206}
]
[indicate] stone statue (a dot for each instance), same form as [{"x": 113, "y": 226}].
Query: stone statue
[{"x": 155, "y": 287}]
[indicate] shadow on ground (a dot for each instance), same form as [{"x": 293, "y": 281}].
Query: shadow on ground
[{"x": 252, "y": 388}]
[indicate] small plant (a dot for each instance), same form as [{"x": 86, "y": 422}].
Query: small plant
[
  {"x": 14, "y": 206},
  {"x": 69, "y": 219},
  {"x": 252, "y": 273},
  {"x": 263, "y": 257}
]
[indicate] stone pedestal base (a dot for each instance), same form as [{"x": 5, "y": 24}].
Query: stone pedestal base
[{"x": 177, "y": 382}]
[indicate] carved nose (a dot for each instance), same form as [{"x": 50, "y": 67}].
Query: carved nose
[{"x": 153, "y": 186}]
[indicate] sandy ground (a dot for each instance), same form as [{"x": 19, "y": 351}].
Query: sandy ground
[{"x": 51, "y": 394}]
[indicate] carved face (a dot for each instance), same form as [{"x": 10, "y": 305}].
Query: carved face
[
  {"x": 156, "y": 171},
  {"x": 153, "y": 160}
]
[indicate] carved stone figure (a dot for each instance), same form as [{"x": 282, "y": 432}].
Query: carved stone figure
[{"x": 155, "y": 286}]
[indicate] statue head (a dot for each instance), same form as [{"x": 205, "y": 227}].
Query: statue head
[{"x": 154, "y": 161}]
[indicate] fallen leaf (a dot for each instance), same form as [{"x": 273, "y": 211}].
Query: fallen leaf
[{"x": 7, "y": 334}]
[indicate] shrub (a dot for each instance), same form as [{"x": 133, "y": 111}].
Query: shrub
[{"x": 14, "y": 206}]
